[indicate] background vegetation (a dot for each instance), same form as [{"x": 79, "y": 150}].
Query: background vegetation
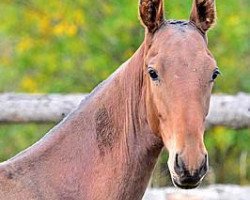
[{"x": 70, "y": 46}]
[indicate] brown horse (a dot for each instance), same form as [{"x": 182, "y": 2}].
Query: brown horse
[{"x": 107, "y": 147}]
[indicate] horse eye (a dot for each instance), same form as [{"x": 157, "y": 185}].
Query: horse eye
[
  {"x": 153, "y": 74},
  {"x": 215, "y": 74}
]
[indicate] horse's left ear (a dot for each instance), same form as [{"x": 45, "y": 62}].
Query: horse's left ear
[
  {"x": 151, "y": 13},
  {"x": 203, "y": 14}
]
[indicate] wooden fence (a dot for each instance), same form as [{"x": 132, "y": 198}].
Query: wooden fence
[{"x": 227, "y": 110}]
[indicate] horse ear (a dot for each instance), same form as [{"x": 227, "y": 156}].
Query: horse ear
[
  {"x": 203, "y": 14},
  {"x": 151, "y": 14}
]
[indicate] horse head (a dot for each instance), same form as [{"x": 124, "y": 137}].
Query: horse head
[{"x": 180, "y": 74}]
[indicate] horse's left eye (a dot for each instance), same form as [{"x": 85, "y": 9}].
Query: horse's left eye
[
  {"x": 153, "y": 74},
  {"x": 215, "y": 74}
]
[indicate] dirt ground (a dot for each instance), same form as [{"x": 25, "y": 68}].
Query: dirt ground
[{"x": 213, "y": 192}]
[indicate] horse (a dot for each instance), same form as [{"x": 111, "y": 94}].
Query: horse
[{"x": 108, "y": 146}]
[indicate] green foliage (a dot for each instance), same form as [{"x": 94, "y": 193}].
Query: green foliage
[
  {"x": 65, "y": 46},
  {"x": 14, "y": 138},
  {"x": 225, "y": 147},
  {"x": 70, "y": 46}
]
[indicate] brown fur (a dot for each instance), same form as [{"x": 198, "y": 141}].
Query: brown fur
[{"x": 107, "y": 147}]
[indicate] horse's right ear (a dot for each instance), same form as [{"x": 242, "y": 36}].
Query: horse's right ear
[{"x": 151, "y": 14}]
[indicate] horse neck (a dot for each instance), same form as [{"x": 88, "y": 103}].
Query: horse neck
[
  {"x": 127, "y": 107},
  {"x": 128, "y": 145},
  {"x": 109, "y": 130}
]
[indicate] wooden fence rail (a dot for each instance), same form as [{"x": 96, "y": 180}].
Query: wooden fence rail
[{"x": 227, "y": 110}]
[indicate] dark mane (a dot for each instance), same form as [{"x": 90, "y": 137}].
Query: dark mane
[{"x": 180, "y": 22}]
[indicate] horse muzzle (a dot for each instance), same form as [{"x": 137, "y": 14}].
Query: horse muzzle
[{"x": 187, "y": 179}]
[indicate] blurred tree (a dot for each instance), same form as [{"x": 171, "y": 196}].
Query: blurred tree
[{"x": 70, "y": 46}]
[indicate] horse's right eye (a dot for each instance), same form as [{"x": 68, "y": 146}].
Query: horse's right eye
[
  {"x": 215, "y": 74},
  {"x": 152, "y": 73}
]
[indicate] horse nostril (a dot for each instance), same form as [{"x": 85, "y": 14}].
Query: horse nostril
[
  {"x": 204, "y": 166},
  {"x": 181, "y": 170},
  {"x": 179, "y": 165}
]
